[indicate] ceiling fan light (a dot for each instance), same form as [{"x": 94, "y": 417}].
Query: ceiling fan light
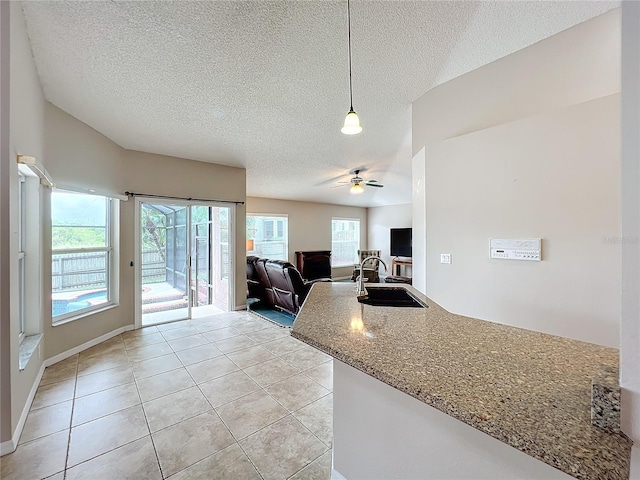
[
  {"x": 356, "y": 188},
  {"x": 351, "y": 124}
]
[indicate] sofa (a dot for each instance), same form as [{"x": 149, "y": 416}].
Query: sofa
[{"x": 277, "y": 283}]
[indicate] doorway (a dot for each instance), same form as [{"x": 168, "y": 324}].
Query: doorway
[{"x": 184, "y": 260}]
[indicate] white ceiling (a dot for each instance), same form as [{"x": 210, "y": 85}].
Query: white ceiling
[{"x": 264, "y": 84}]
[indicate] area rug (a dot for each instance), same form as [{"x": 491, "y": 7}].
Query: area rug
[{"x": 281, "y": 318}]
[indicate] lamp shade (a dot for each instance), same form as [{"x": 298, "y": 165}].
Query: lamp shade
[
  {"x": 351, "y": 124},
  {"x": 356, "y": 189},
  {"x": 250, "y": 244}
]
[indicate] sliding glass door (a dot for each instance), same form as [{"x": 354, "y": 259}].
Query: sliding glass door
[
  {"x": 210, "y": 260},
  {"x": 184, "y": 264}
]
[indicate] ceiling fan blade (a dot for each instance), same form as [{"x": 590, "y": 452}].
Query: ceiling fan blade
[{"x": 357, "y": 180}]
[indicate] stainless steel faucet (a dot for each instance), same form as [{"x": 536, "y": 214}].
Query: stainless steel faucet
[{"x": 360, "y": 281}]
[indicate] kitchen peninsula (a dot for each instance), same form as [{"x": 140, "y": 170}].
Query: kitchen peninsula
[{"x": 529, "y": 392}]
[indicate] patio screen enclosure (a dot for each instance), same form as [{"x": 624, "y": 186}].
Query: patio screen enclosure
[{"x": 185, "y": 259}]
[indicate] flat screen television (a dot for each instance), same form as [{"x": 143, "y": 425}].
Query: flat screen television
[{"x": 401, "y": 242}]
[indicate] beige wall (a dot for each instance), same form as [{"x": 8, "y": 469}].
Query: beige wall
[
  {"x": 78, "y": 156},
  {"x": 380, "y": 221},
  {"x": 548, "y": 168},
  {"x": 5, "y": 228},
  {"x": 553, "y": 176},
  {"x": 310, "y": 224},
  {"x": 25, "y": 137},
  {"x": 207, "y": 181}
]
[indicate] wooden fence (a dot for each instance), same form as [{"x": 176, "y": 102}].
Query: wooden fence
[{"x": 87, "y": 271}]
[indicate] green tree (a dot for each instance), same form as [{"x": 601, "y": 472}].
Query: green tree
[
  {"x": 154, "y": 229},
  {"x": 70, "y": 236}
]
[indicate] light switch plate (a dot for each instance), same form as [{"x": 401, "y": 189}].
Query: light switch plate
[{"x": 445, "y": 258}]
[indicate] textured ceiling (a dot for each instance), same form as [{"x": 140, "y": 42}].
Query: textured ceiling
[{"x": 264, "y": 84}]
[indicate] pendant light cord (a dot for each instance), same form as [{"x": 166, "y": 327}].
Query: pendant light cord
[{"x": 350, "y": 85}]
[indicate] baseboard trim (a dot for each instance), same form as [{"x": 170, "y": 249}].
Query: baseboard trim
[
  {"x": 91, "y": 343},
  {"x": 10, "y": 445},
  {"x": 7, "y": 447},
  {"x": 240, "y": 307},
  {"x": 335, "y": 475}
]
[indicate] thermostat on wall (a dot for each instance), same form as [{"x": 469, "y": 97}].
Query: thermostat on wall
[{"x": 516, "y": 249}]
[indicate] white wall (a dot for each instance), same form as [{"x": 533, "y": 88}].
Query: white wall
[
  {"x": 419, "y": 232},
  {"x": 380, "y": 220},
  {"x": 310, "y": 224},
  {"x": 554, "y": 175},
  {"x": 630, "y": 232},
  {"x": 579, "y": 64}
]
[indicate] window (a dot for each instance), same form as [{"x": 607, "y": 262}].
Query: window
[
  {"x": 345, "y": 241},
  {"x": 22, "y": 242},
  {"x": 83, "y": 259},
  {"x": 270, "y": 235},
  {"x": 27, "y": 250}
]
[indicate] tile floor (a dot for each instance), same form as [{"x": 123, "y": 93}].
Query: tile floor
[{"x": 229, "y": 396}]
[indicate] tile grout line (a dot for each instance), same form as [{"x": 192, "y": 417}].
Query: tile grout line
[
  {"x": 312, "y": 461},
  {"x": 299, "y": 421},
  {"x": 308, "y": 464},
  {"x": 146, "y": 419},
  {"x": 225, "y": 425},
  {"x": 73, "y": 406},
  {"x": 246, "y": 334},
  {"x": 237, "y": 441},
  {"x": 249, "y": 458},
  {"x": 108, "y": 451},
  {"x": 74, "y": 377},
  {"x": 144, "y": 412}
]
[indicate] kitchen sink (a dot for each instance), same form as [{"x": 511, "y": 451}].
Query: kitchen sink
[{"x": 391, "y": 297}]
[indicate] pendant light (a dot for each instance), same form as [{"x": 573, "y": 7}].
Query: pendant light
[{"x": 351, "y": 121}]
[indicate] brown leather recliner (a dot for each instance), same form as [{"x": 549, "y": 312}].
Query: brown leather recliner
[
  {"x": 300, "y": 286},
  {"x": 283, "y": 295},
  {"x": 288, "y": 288},
  {"x": 268, "y": 297},
  {"x": 255, "y": 289}
]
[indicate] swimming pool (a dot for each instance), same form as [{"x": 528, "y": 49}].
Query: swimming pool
[{"x": 81, "y": 299}]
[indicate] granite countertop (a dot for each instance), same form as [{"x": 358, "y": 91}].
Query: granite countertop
[{"x": 527, "y": 389}]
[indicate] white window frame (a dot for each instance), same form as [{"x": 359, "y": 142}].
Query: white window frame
[
  {"x": 22, "y": 241},
  {"x": 334, "y": 258},
  {"x": 28, "y": 248},
  {"x": 112, "y": 251},
  {"x": 276, "y": 219}
]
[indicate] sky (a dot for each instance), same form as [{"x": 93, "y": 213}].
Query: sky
[{"x": 77, "y": 209}]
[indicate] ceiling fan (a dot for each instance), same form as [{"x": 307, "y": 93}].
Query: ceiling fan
[{"x": 357, "y": 182}]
